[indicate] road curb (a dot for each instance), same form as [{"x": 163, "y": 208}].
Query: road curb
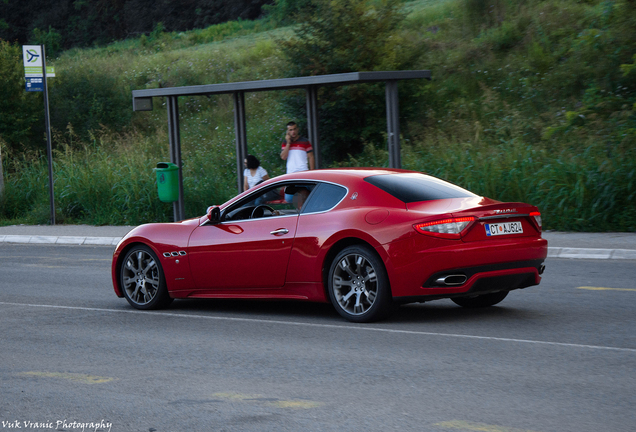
[
  {"x": 65, "y": 240},
  {"x": 585, "y": 253},
  {"x": 553, "y": 252}
]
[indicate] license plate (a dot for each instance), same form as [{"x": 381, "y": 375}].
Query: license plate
[{"x": 495, "y": 229}]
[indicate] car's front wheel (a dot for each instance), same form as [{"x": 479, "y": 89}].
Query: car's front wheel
[
  {"x": 358, "y": 285},
  {"x": 142, "y": 279},
  {"x": 480, "y": 301}
]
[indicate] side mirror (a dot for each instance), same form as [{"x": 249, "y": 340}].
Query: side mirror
[{"x": 214, "y": 214}]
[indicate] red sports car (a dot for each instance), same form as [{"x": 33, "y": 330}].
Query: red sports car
[{"x": 362, "y": 239}]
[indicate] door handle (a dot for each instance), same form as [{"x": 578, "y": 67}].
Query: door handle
[{"x": 279, "y": 231}]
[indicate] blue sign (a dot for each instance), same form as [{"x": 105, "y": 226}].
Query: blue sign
[{"x": 34, "y": 84}]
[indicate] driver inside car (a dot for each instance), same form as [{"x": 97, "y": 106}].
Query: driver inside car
[
  {"x": 270, "y": 203},
  {"x": 300, "y": 196}
]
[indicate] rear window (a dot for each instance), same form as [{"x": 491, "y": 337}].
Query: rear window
[{"x": 415, "y": 187}]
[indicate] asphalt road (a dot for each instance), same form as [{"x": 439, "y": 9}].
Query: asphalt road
[{"x": 559, "y": 357}]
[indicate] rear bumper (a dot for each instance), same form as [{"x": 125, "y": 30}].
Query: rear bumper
[
  {"x": 485, "y": 267},
  {"x": 481, "y": 280}
]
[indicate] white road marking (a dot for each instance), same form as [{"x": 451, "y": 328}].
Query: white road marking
[{"x": 329, "y": 326}]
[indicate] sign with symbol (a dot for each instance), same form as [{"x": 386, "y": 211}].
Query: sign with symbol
[{"x": 32, "y": 55}]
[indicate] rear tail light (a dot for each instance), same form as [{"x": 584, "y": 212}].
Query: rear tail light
[
  {"x": 537, "y": 218},
  {"x": 448, "y": 228}
]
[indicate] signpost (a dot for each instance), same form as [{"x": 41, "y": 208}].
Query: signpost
[{"x": 35, "y": 74}]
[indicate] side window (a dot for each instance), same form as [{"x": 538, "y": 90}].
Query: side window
[
  {"x": 325, "y": 197},
  {"x": 280, "y": 200}
]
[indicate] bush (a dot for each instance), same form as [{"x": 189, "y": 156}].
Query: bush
[
  {"x": 286, "y": 11},
  {"x": 22, "y": 113},
  {"x": 51, "y": 39},
  {"x": 89, "y": 98}
]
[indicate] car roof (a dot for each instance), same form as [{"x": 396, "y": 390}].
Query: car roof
[
  {"x": 332, "y": 174},
  {"x": 343, "y": 176}
]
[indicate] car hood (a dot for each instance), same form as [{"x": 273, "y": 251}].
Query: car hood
[{"x": 170, "y": 232}]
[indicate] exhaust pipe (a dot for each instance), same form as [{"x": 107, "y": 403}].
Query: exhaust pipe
[{"x": 451, "y": 280}]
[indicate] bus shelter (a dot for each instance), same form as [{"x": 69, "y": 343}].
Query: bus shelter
[{"x": 142, "y": 101}]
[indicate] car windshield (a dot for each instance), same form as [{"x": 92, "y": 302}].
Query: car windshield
[{"x": 415, "y": 187}]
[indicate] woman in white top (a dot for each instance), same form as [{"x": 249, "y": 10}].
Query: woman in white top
[{"x": 254, "y": 173}]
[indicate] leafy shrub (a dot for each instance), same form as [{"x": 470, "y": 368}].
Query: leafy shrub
[
  {"x": 89, "y": 98},
  {"x": 479, "y": 15},
  {"x": 286, "y": 11},
  {"x": 51, "y": 39},
  {"x": 21, "y": 113}
]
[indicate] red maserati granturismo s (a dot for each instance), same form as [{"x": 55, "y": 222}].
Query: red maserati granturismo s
[{"x": 363, "y": 239}]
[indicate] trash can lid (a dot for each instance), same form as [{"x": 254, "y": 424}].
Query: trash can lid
[{"x": 166, "y": 165}]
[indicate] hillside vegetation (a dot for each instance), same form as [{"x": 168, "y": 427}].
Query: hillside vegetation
[
  {"x": 530, "y": 101},
  {"x": 63, "y": 24}
]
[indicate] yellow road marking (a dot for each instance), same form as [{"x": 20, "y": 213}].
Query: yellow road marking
[
  {"x": 80, "y": 378},
  {"x": 274, "y": 402},
  {"x": 295, "y": 404},
  {"x": 477, "y": 427},
  {"x": 605, "y": 289}
]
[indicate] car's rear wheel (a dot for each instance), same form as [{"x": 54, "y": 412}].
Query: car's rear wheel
[
  {"x": 358, "y": 285},
  {"x": 480, "y": 301},
  {"x": 142, "y": 279}
]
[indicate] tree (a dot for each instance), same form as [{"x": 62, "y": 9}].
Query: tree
[
  {"x": 339, "y": 36},
  {"x": 344, "y": 36}
]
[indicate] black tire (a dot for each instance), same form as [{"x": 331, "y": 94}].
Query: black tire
[
  {"x": 142, "y": 280},
  {"x": 358, "y": 285},
  {"x": 480, "y": 301}
]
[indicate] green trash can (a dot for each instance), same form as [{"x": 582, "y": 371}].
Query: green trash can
[{"x": 167, "y": 181}]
